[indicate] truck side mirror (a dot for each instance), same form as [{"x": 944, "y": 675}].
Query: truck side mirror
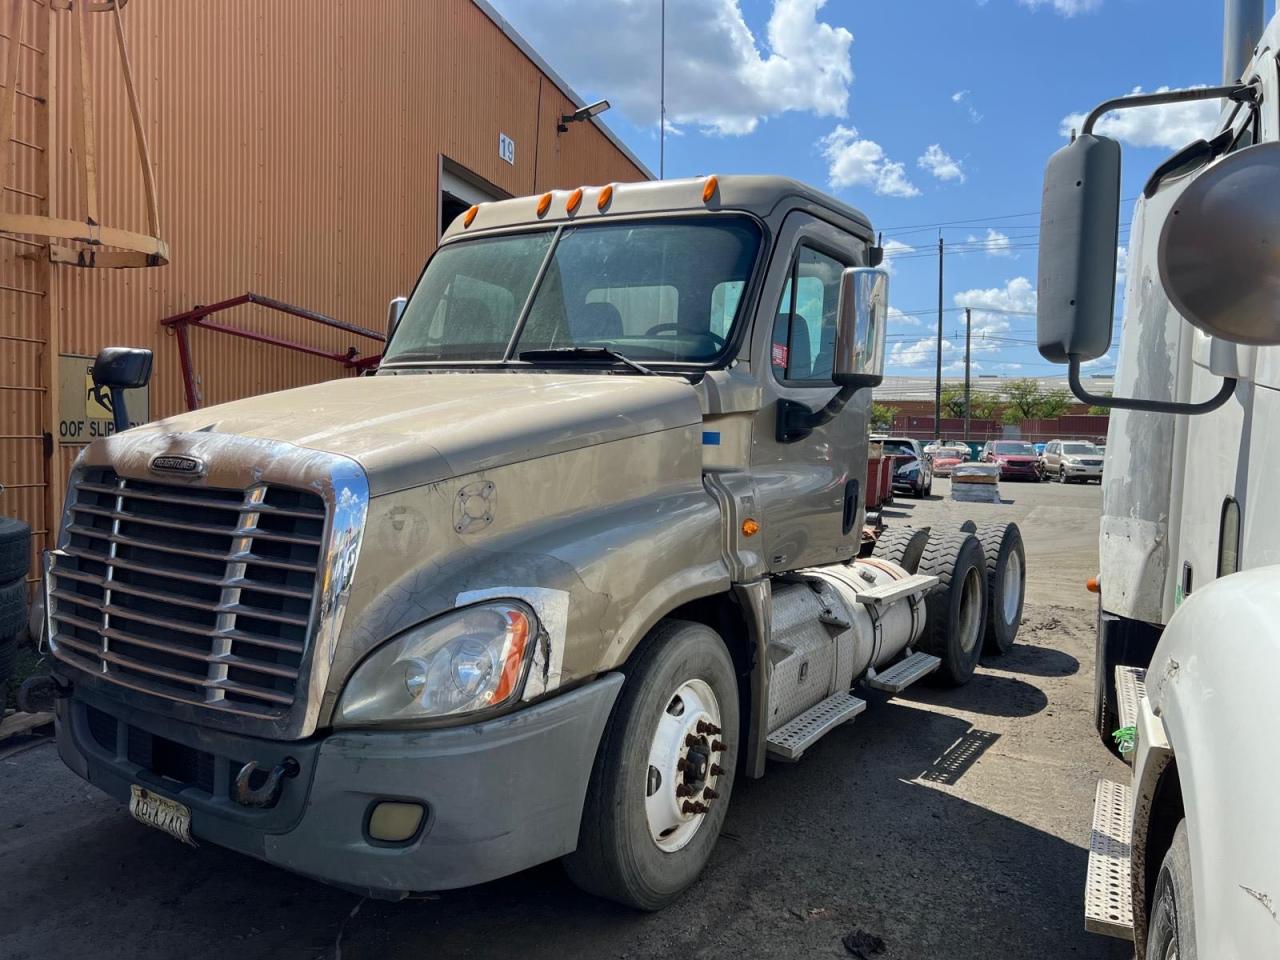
[
  {"x": 1079, "y": 226},
  {"x": 863, "y": 314},
  {"x": 1217, "y": 249},
  {"x": 118, "y": 369},
  {"x": 395, "y": 310}
]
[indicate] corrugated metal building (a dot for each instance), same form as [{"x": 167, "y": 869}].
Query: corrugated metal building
[{"x": 306, "y": 150}]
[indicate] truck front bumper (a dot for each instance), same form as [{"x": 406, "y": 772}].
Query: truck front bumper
[{"x": 498, "y": 796}]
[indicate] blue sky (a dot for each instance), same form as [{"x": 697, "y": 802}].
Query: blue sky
[{"x": 919, "y": 112}]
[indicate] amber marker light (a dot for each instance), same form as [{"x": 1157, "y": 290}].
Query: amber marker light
[
  {"x": 544, "y": 204},
  {"x": 750, "y": 527},
  {"x": 1093, "y": 585},
  {"x": 575, "y": 198},
  {"x": 709, "y": 189},
  {"x": 469, "y": 216},
  {"x": 606, "y": 195}
]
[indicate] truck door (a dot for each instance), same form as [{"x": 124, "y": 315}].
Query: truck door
[{"x": 810, "y": 490}]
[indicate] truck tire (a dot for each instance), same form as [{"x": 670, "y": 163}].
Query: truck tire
[
  {"x": 8, "y": 655},
  {"x": 1006, "y": 584},
  {"x": 903, "y": 546},
  {"x": 15, "y": 549},
  {"x": 637, "y": 844},
  {"x": 1171, "y": 931},
  {"x": 13, "y": 608},
  {"x": 956, "y": 606}
]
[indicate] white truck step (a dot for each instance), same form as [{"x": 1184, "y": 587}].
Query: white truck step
[
  {"x": 905, "y": 672},
  {"x": 795, "y": 736},
  {"x": 897, "y": 589},
  {"x": 1131, "y": 687},
  {"x": 1108, "y": 900}
]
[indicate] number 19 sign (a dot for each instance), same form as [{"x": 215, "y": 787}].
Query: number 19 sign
[{"x": 507, "y": 148}]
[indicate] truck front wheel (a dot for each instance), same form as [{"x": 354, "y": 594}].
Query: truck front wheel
[
  {"x": 664, "y": 771},
  {"x": 1171, "y": 932}
]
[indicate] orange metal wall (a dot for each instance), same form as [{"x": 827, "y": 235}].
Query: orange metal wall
[{"x": 297, "y": 145}]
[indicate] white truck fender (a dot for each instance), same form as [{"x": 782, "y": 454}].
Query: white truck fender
[{"x": 1211, "y": 710}]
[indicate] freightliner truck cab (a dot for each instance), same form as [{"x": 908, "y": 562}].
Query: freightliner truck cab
[{"x": 583, "y": 552}]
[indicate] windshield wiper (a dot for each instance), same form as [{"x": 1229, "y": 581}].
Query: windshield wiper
[{"x": 585, "y": 353}]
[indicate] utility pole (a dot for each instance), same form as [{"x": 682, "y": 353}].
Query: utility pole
[
  {"x": 968, "y": 340},
  {"x": 937, "y": 388},
  {"x": 662, "y": 94}
]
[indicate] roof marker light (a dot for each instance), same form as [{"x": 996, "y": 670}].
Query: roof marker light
[
  {"x": 606, "y": 195},
  {"x": 709, "y": 189},
  {"x": 544, "y": 204},
  {"x": 575, "y": 198},
  {"x": 470, "y": 215}
]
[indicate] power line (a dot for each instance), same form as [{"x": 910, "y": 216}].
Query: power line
[{"x": 951, "y": 223}]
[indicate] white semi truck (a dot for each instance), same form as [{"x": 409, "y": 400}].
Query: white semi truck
[{"x": 1185, "y": 856}]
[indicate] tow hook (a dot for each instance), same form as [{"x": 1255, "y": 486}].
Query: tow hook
[{"x": 267, "y": 794}]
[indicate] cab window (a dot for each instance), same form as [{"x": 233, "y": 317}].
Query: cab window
[{"x": 804, "y": 329}]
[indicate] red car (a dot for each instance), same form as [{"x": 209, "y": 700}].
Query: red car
[
  {"x": 1017, "y": 459},
  {"x": 947, "y": 456}
]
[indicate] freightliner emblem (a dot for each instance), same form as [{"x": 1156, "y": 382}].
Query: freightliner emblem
[{"x": 175, "y": 463}]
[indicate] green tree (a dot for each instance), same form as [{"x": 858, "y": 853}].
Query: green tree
[
  {"x": 982, "y": 406},
  {"x": 882, "y": 416},
  {"x": 1028, "y": 400}
]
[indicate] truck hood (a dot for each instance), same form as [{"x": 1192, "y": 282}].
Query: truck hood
[{"x": 413, "y": 429}]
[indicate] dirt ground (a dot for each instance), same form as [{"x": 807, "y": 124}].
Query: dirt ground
[{"x": 951, "y": 824}]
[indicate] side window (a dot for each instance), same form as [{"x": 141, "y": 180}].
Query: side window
[
  {"x": 1229, "y": 538},
  {"x": 804, "y": 330}
]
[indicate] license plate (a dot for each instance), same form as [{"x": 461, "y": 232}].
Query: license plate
[{"x": 168, "y": 816}]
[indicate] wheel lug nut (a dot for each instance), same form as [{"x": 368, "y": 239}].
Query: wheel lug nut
[
  {"x": 717, "y": 770},
  {"x": 693, "y": 807},
  {"x": 691, "y": 741},
  {"x": 718, "y": 745},
  {"x": 710, "y": 794},
  {"x": 684, "y": 790},
  {"x": 704, "y": 727},
  {"x": 682, "y": 764}
]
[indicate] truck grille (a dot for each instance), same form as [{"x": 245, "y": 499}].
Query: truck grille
[{"x": 193, "y": 594}]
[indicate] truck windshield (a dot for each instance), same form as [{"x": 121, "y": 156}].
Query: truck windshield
[{"x": 653, "y": 291}]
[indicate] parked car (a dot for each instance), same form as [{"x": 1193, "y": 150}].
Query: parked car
[
  {"x": 1069, "y": 461},
  {"x": 1039, "y": 449},
  {"x": 944, "y": 457},
  {"x": 1017, "y": 459},
  {"x": 912, "y": 471}
]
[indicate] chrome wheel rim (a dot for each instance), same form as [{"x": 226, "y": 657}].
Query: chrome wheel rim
[
  {"x": 1011, "y": 587},
  {"x": 683, "y": 765},
  {"x": 970, "y": 610}
]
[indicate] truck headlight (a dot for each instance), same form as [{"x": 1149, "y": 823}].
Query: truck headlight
[{"x": 463, "y": 662}]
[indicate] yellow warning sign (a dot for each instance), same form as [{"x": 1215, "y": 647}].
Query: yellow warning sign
[{"x": 84, "y": 411}]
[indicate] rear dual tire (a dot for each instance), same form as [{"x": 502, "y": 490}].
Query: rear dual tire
[
  {"x": 1006, "y": 569},
  {"x": 903, "y": 546},
  {"x": 956, "y": 606}
]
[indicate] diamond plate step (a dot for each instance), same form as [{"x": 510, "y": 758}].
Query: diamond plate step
[
  {"x": 796, "y": 736},
  {"x": 1131, "y": 687},
  {"x": 1108, "y": 899},
  {"x": 897, "y": 589},
  {"x": 905, "y": 672}
]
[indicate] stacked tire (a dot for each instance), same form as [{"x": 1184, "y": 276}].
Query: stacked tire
[{"x": 15, "y": 559}]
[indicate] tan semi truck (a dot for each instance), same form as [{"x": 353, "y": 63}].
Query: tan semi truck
[{"x": 582, "y": 552}]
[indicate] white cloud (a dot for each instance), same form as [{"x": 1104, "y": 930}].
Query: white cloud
[
  {"x": 992, "y": 308},
  {"x": 892, "y": 249},
  {"x": 920, "y": 352},
  {"x": 1107, "y": 360},
  {"x": 1068, "y": 8},
  {"x": 994, "y": 244},
  {"x": 1166, "y": 125},
  {"x": 1122, "y": 265},
  {"x": 962, "y": 98},
  {"x": 720, "y": 77},
  {"x": 898, "y": 319},
  {"x": 855, "y": 162},
  {"x": 941, "y": 164}
]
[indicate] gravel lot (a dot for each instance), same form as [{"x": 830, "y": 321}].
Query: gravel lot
[{"x": 952, "y": 824}]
